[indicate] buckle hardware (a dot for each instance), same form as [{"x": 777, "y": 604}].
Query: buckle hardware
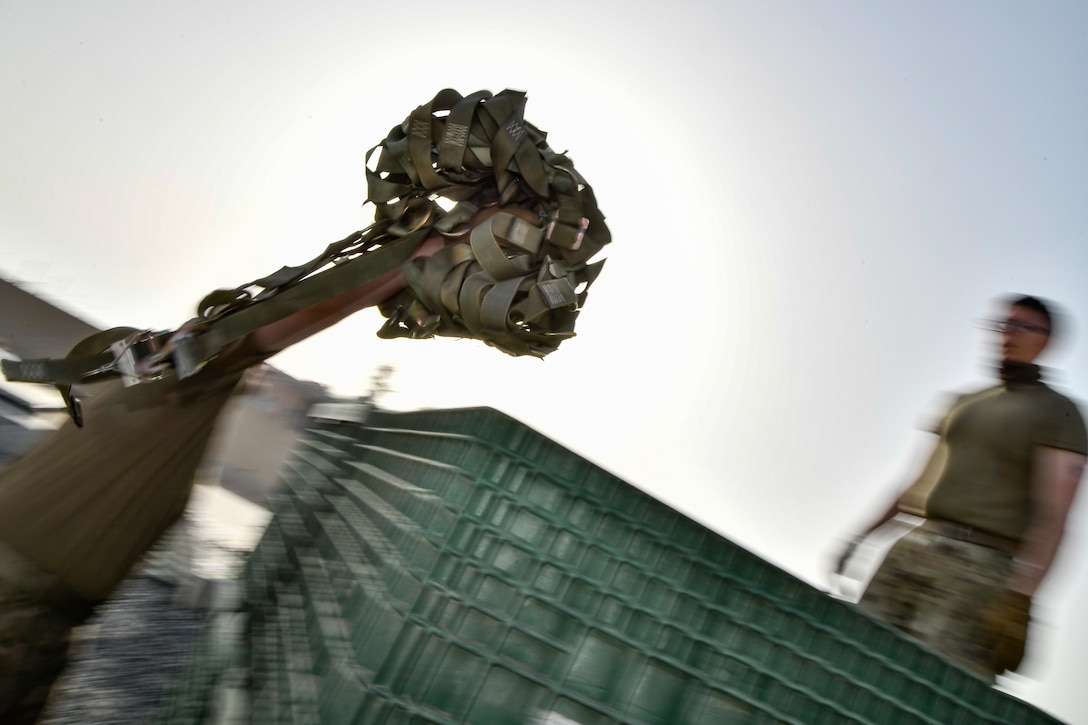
[
  {"x": 583, "y": 225},
  {"x": 139, "y": 359}
]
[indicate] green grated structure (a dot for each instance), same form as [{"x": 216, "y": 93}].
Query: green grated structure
[{"x": 458, "y": 567}]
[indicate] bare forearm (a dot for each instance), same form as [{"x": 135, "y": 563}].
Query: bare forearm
[
  {"x": 1057, "y": 477},
  {"x": 933, "y": 462},
  {"x": 280, "y": 335},
  {"x": 1035, "y": 557}
]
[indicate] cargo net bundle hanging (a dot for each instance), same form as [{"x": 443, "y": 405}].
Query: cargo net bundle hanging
[{"x": 518, "y": 224}]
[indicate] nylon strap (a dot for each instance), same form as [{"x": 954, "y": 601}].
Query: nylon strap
[
  {"x": 493, "y": 289},
  {"x": 515, "y": 285},
  {"x": 301, "y": 295},
  {"x": 481, "y": 147},
  {"x": 92, "y": 359}
]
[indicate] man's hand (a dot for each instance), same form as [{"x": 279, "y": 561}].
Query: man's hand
[{"x": 1005, "y": 629}]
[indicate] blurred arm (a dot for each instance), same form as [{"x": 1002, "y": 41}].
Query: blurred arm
[
  {"x": 282, "y": 334},
  {"x": 1054, "y": 486},
  {"x": 933, "y": 461},
  {"x": 887, "y": 515}
]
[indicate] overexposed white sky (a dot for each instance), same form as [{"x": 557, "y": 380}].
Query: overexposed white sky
[{"x": 810, "y": 203}]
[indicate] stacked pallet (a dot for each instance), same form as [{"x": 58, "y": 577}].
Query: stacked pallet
[{"x": 456, "y": 566}]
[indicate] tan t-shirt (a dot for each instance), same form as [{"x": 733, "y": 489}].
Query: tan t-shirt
[
  {"x": 980, "y": 473},
  {"x": 88, "y": 502}
]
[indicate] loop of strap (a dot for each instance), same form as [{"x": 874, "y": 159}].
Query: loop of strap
[
  {"x": 515, "y": 285},
  {"x": 492, "y": 289}
]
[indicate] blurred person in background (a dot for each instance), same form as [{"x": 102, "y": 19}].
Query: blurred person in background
[{"x": 995, "y": 495}]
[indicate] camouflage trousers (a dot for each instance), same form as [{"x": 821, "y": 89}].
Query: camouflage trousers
[{"x": 934, "y": 589}]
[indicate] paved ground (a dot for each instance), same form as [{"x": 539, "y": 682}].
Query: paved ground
[
  {"x": 132, "y": 649},
  {"x": 128, "y": 654}
]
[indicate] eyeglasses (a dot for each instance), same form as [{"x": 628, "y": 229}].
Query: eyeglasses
[{"x": 1012, "y": 326}]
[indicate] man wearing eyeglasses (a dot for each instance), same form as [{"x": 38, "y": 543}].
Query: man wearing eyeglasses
[{"x": 995, "y": 496}]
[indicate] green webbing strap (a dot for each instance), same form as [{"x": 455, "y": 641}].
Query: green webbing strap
[
  {"x": 85, "y": 363},
  {"x": 89, "y": 360},
  {"x": 231, "y": 316},
  {"x": 514, "y": 284},
  {"x": 493, "y": 289},
  {"x": 216, "y": 334}
]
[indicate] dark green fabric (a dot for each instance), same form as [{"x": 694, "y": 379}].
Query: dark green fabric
[
  {"x": 980, "y": 473},
  {"x": 515, "y": 284},
  {"x": 233, "y": 323}
]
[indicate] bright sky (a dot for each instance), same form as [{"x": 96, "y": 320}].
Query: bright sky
[{"x": 810, "y": 204}]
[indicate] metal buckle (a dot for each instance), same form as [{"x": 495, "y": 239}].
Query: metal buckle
[
  {"x": 583, "y": 225},
  {"x": 138, "y": 358},
  {"x": 181, "y": 350}
]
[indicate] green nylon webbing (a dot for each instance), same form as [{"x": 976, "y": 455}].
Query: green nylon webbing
[
  {"x": 514, "y": 284},
  {"x": 494, "y": 289},
  {"x": 326, "y": 285},
  {"x": 518, "y": 290},
  {"x": 92, "y": 359}
]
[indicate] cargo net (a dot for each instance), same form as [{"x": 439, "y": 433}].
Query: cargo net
[{"x": 520, "y": 225}]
